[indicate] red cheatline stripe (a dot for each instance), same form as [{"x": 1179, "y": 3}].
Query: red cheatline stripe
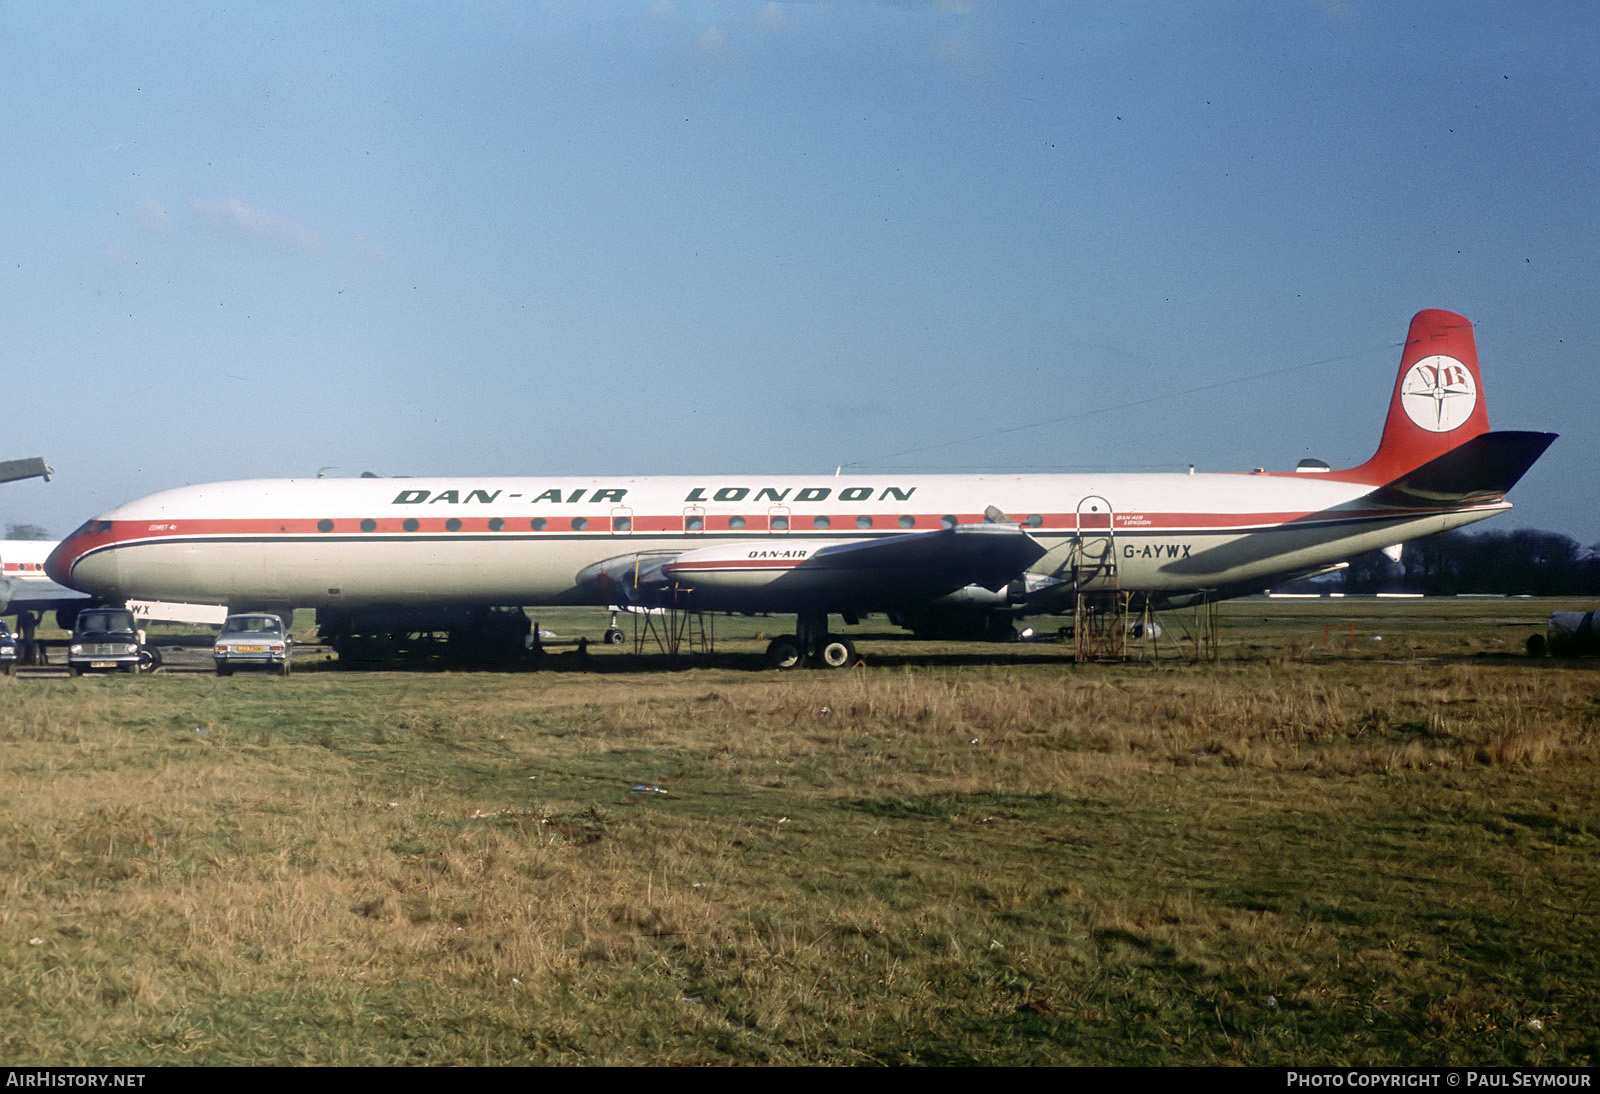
[
  {"x": 1053, "y": 523},
  {"x": 1145, "y": 523},
  {"x": 740, "y": 564}
]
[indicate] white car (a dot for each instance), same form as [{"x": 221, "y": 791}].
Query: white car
[{"x": 253, "y": 640}]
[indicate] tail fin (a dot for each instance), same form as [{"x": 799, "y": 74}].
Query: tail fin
[{"x": 1438, "y": 400}]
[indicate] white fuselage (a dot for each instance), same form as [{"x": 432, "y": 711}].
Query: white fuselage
[{"x": 523, "y": 541}]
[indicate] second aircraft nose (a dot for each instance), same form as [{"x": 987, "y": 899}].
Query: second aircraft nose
[{"x": 77, "y": 564}]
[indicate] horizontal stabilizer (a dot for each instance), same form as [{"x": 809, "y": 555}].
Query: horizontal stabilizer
[{"x": 1481, "y": 469}]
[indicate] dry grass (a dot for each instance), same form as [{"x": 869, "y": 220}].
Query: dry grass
[{"x": 1265, "y": 861}]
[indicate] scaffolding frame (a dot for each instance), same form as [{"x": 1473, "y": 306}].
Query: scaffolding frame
[
  {"x": 1194, "y": 637},
  {"x": 681, "y": 630},
  {"x": 1100, "y": 626}
]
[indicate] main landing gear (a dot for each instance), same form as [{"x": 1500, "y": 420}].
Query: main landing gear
[{"x": 811, "y": 644}]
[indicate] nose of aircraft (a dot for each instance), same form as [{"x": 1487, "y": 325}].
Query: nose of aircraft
[
  {"x": 55, "y": 565},
  {"x": 62, "y": 563}
]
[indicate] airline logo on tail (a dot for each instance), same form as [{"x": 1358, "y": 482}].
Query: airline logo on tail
[{"x": 1438, "y": 394}]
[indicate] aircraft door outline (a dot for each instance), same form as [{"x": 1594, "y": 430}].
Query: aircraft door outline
[{"x": 1094, "y": 556}]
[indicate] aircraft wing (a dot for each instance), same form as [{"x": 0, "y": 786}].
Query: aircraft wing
[
  {"x": 36, "y": 596},
  {"x": 36, "y": 468},
  {"x": 829, "y": 575},
  {"x": 926, "y": 565}
]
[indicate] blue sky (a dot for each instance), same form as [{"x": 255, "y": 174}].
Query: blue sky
[{"x": 748, "y": 237}]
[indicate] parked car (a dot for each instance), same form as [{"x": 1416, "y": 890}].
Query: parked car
[
  {"x": 253, "y": 640},
  {"x": 8, "y": 649},
  {"x": 105, "y": 639}
]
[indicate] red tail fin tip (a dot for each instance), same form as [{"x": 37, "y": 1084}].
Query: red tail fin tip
[{"x": 1438, "y": 401}]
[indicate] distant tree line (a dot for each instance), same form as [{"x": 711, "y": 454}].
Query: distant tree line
[{"x": 1527, "y": 561}]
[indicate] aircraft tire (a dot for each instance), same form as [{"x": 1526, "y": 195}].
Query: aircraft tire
[
  {"x": 836, "y": 653},
  {"x": 784, "y": 652},
  {"x": 613, "y": 636}
]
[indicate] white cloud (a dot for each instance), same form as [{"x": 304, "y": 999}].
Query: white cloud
[
  {"x": 934, "y": 7},
  {"x": 367, "y": 250},
  {"x": 365, "y": 254},
  {"x": 119, "y": 259},
  {"x": 156, "y": 217},
  {"x": 236, "y": 218},
  {"x": 960, "y": 53},
  {"x": 1337, "y": 10},
  {"x": 774, "y": 19},
  {"x": 712, "y": 43}
]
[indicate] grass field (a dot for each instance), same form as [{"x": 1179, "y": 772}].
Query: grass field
[{"x": 1369, "y": 835}]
